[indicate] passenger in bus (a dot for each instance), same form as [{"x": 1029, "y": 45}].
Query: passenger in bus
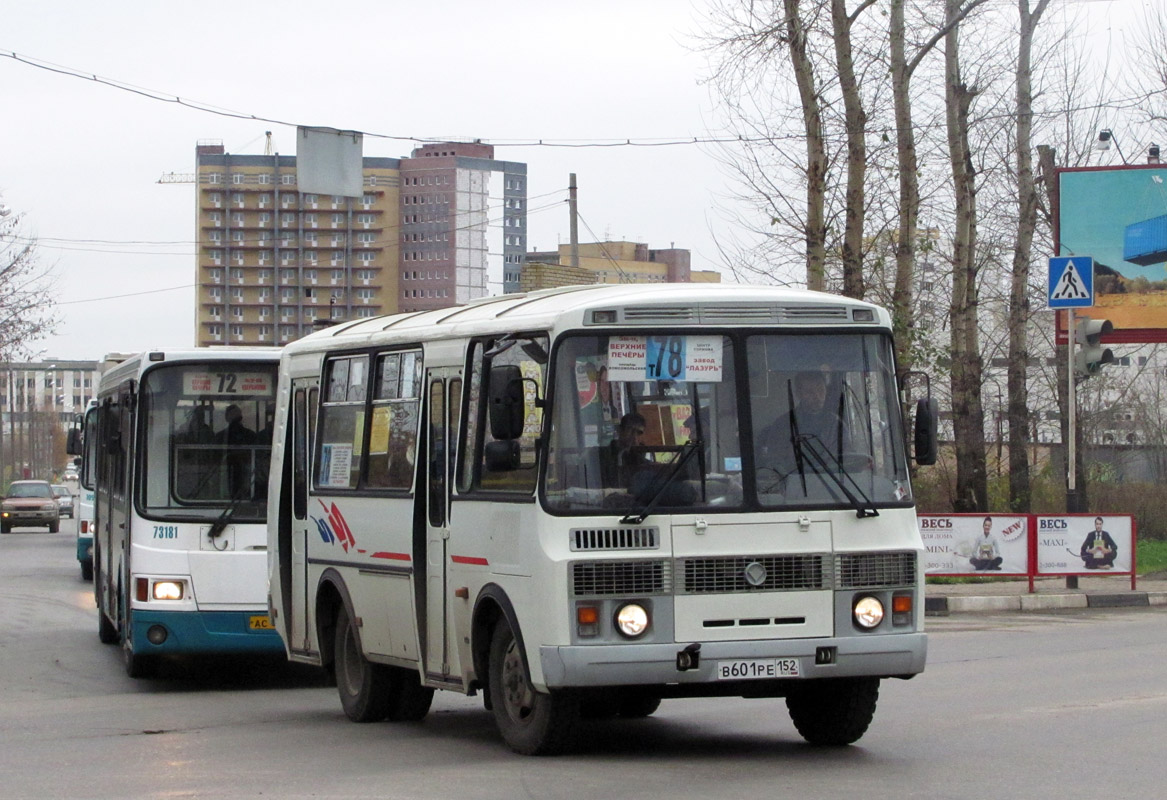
[
  {"x": 623, "y": 457},
  {"x": 239, "y": 456},
  {"x": 198, "y": 430}
]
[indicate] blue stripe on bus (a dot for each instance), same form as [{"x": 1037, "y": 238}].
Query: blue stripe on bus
[{"x": 204, "y": 632}]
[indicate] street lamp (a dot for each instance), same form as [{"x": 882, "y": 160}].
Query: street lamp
[{"x": 1105, "y": 136}]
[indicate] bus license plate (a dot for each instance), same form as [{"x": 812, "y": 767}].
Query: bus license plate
[
  {"x": 757, "y": 668},
  {"x": 261, "y": 623}
]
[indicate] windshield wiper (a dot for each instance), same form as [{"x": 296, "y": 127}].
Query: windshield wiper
[
  {"x": 687, "y": 451},
  {"x": 866, "y": 508}
]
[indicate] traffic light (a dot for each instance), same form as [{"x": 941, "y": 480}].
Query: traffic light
[{"x": 1091, "y": 355}]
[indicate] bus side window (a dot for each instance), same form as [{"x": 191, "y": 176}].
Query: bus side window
[{"x": 300, "y": 455}]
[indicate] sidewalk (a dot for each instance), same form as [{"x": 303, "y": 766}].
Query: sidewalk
[{"x": 1005, "y": 595}]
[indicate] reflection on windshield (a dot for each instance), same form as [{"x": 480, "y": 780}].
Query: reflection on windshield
[
  {"x": 826, "y": 421},
  {"x": 627, "y": 409},
  {"x": 207, "y": 437}
]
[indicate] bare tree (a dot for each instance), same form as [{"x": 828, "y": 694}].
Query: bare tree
[{"x": 26, "y": 308}]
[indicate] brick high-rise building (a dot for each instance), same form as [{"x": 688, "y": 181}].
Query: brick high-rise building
[{"x": 439, "y": 228}]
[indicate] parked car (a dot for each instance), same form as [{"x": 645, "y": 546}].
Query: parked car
[
  {"x": 64, "y": 499},
  {"x": 30, "y": 503}
]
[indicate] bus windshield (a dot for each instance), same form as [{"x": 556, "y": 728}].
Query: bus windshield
[
  {"x": 206, "y": 431},
  {"x": 643, "y": 422}
]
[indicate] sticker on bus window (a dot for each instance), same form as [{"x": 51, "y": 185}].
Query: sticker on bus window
[
  {"x": 336, "y": 461},
  {"x": 665, "y": 358},
  {"x": 226, "y": 383}
]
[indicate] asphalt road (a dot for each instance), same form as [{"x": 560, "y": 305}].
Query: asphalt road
[{"x": 1066, "y": 705}]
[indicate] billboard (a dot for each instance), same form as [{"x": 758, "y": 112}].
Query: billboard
[{"x": 1118, "y": 215}]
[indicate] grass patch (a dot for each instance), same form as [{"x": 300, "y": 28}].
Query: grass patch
[{"x": 1152, "y": 555}]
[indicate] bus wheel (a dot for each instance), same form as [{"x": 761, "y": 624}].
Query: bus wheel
[
  {"x": 364, "y": 687},
  {"x": 86, "y": 570},
  {"x": 635, "y": 704},
  {"x": 107, "y": 632},
  {"x": 409, "y": 701},
  {"x": 531, "y": 723},
  {"x": 834, "y": 711}
]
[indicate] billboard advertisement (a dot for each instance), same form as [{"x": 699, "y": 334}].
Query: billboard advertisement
[
  {"x": 1083, "y": 544},
  {"x": 1118, "y": 216},
  {"x": 975, "y": 544}
]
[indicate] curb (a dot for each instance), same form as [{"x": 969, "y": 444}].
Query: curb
[{"x": 944, "y": 605}]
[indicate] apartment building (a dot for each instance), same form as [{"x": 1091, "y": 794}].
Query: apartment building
[
  {"x": 612, "y": 262},
  {"x": 429, "y": 231}
]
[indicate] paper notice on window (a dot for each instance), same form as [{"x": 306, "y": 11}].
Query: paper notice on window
[
  {"x": 665, "y": 358},
  {"x": 336, "y": 463}
]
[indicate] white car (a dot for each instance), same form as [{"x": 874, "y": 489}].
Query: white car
[{"x": 64, "y": 499}]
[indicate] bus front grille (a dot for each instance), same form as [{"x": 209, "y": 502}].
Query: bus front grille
[
  {"x": 872, "y": 570},
  {"x": 753, "y": 574},
  {"x": 599, "y": 578},
  {"x": 647, "y": 538}
]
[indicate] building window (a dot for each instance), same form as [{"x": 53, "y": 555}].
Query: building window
[
  {"x": 215, "y": 177},
  {"x": 237, "y": 178},
  {"x": 364, "y": 295},
  {"x": 216, "y": 331},
  {"x": 216, "y": 312},
  {"x": 264, "y": 178},
  {"x": 236, "y": 331},
  {"x": 337, "y": 276},
  {"x": 287, "y": 180}
]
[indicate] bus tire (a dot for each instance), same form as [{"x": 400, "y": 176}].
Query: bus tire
[
  {"x": 107, "y": 632},
  {"x": 364, "y": 687},
  {"x": 409, "y": 701},
  {"x": 138, "y": 666},
  {"x": 531, "y": 723},
  {"x": 87, "y": 570},
  {"x": 5, "y": 527},
  {"x": 636, "y": 704},
  {"x": 833, "y": 712}
]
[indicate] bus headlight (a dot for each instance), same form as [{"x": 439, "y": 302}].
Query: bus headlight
[
  {"x": 168, "y": 590},
  {"x": 868, "y": 612},
  {"x": 632, "y": 620}
]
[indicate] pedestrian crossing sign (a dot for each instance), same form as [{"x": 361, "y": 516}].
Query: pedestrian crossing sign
[{"x": 1071, "y": 282}]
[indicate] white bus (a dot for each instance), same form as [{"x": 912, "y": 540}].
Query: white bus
[
  {"x": 85, "y": 489},
  {"x": 179, "y": 459},
  {"x": 454, "y": 506}
]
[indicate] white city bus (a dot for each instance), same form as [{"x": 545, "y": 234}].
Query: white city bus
[
  {"x": 450, "y": 510},
  {"x": 179, "y": 458},
  {"x": 85, "y": 490}
]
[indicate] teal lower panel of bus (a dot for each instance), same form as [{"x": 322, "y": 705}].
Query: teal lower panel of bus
[
  {"x": 205, "y": 632},
  {"x": 84, "y": 548}
]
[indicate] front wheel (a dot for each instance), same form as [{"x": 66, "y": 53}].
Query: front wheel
[
  {"x": 86, "y": 570},
  {"x": 531, "y": 723},
  {"x": 364, "y": 687},
  {"x": 834, "y": 711}
]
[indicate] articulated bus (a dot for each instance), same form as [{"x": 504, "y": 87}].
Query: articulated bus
[
  {"x": 177, "y": 450},
  {"x": 582, "y": 501}
]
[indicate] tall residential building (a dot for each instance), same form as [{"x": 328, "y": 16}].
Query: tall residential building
[
  {"x": 39, "y": 402},
  {"x": 444, "y": 226},
  {"x": 611, "y": 262}
]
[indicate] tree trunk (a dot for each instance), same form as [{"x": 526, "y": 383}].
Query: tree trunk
[
  {"x": 901, "y": 301},
  {"x": 816, "y": 156},
  {"x": 856, "y": 121},
  {"x": 1018, "y": 370},
  {"x": 966, "y": 377}
]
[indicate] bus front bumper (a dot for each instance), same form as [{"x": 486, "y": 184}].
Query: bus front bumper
[
  {"x": 898, "y": 655},
  {"x": 203, "y": 632}
]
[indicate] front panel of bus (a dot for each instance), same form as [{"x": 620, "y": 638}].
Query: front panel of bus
[{"x": 198, "y": 540}]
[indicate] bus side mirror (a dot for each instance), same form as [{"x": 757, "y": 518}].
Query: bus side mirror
[
  {"x": 73, "y": 442},
  {"x": 927, "y": 436},
  {"x": 505, "y": 402}
]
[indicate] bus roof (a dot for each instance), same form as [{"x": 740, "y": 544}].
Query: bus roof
[
  {"x": 135, "y": 365},
  {"x": 673, "y": 304}
]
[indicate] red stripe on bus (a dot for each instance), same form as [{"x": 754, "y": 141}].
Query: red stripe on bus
[
  {"x": 393, "y": 556},
  {"x": 480, "y": 562}
]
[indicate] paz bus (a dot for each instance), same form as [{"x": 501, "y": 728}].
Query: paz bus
[
  {"x": 455, "y": 505},
  {"x": 177, "y": 451}
]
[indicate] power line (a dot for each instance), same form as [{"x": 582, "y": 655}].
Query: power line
[
  {"x": 167, "y": 97},
  {"x": 120, "y": 296}
]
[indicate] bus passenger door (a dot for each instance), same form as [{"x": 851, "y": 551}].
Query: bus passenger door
[
  {"x": 305, "y": 396},
  {"x": 443, "y": 389}
]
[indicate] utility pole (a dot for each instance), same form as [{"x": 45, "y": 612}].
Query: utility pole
[{"x": 573, "y": 210}]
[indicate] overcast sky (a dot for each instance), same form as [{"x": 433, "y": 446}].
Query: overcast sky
[{"x": 81, "y": 160}]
